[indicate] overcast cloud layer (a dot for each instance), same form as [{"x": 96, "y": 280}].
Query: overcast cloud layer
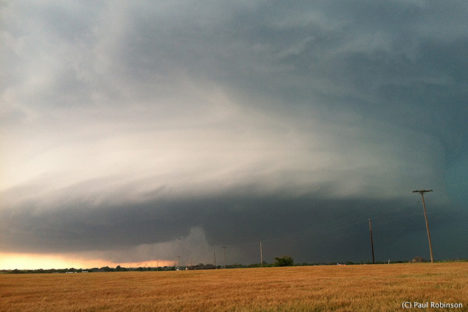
[{"x": 139, "y": 131}]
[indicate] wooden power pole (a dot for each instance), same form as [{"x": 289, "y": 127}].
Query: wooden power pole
[
  {"x": 427, "y": 223},
  {"x": 371, "y": 240},
  {"x": 261, "y": 254},
  {"x": 214, "y": 256},
  {"x": 224, "y": 247}
]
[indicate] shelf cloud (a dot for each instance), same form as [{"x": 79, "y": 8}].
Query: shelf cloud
[{"x": 139, "y": 131}]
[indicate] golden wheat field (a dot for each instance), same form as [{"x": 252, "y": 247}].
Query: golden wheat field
[{"x": 312, "y": 288}]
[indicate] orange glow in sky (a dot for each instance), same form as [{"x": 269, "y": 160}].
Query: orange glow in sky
[{"x": 11, "y": 261}]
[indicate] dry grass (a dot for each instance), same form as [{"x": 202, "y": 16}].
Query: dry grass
[{"x": 317, "y": 288}]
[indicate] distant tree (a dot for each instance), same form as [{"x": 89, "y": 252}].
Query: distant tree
[{"x": 284, "y": 261}]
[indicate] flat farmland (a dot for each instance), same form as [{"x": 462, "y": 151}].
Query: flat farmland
[{"x": 311, "y": 288}]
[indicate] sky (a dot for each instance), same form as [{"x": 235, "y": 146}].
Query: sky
[{"x": 135, "y": 132}]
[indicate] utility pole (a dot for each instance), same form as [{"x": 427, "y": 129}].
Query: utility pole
[
  {"x": 427, "y": 223},
  {"x": 224, "y": 247},
  {"x": 261, "y": 254},
  {"x": 371, "y": 240},
  {"x": 214, "y": 255}
]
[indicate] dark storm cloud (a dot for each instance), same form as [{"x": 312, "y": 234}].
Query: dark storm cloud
[
  {"x": 403, "y": 63},
  {"x": 362, "y": 101},
  {"x": 308, "y": 227}
]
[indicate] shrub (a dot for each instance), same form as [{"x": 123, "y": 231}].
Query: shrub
[{"x": 284, "y": 261}]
